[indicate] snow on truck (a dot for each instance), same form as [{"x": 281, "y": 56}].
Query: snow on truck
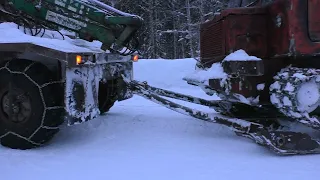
[
  {"x": 260, "y": 58},
  {"x": 47, "y": 78}
]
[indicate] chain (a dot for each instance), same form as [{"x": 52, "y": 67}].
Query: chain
[{"x": 42, "y": 99}]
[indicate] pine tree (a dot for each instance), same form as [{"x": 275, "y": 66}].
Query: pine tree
[{"x": 171, "y": 27}]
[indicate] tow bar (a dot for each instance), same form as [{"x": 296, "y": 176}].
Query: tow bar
[{"x": 266, "y": 132}]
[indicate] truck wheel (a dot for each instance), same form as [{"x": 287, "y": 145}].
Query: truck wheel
[
  {"x": 31, "y": 105},
  {"x": 107, "y": 96}
]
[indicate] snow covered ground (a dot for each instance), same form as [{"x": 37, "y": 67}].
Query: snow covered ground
[{"x": 141, "y": 140}]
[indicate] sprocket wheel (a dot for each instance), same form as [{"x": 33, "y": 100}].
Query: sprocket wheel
[{"x": 296, "y": 93}]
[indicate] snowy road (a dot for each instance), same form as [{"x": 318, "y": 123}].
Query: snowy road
[{"x": 140, "y": 140}]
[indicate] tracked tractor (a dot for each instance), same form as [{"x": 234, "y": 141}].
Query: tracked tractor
[
  {"x": 261, "y": 58},
  {"x": 285, "y": 35}
]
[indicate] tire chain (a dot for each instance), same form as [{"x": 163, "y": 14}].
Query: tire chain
[{"x": 42, "y": 99}]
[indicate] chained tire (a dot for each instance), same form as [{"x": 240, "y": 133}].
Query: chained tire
[
  {"x": 107, "y": 95},
  {"x": 31, "y": 108}
]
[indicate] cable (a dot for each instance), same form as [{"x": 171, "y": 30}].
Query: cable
[
  {"x": 35, "y": 27},
  {"x": 129, "y": 50}
]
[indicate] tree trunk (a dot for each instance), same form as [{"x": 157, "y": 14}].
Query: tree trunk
[
  {"x": 175, "y": 39},
  {"x": 152, "y": 31},
  {"x": 189, "y": 27},
  {"x": 234, "y": 3}
]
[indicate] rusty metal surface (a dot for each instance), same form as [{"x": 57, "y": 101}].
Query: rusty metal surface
[
  {"x": 278, "y": 29},
  {"x": 212, "y": 43},
  {"x": 243, "y": 68},
  {"x": 281, "y": 33},
  {"x": 247, "y": 32},
  {"x": 314, "y": 20},
  {"x": 245, "y": 85},
  {"x": 241, "y": 11},
  {"x": 285, "y": 28},
  {"x": 299, "y": 31},
  {"x": 233, "y": 29}
]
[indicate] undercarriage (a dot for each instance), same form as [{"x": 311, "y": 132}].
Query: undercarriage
[{"x": 268, "y": 125}]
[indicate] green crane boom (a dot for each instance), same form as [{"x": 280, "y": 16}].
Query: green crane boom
[{"x": 89, "y": 19}]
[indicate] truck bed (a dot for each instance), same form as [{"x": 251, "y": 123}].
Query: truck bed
[
  {"x": 47, "y": 46},
  {"x": 10, "y": 33}
]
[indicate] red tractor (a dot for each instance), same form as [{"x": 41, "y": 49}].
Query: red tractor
[
  {"x": 285, "y": 34},
  {"x": 262, "y": 59},
  {"x": 282, "y": 87}
]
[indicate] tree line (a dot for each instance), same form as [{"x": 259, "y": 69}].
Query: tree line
[{"x": 171, "y": 27}]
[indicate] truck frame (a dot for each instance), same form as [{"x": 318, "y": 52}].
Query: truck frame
[{"x": 43, "y": 87}]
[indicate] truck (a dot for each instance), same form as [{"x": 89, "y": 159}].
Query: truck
[
  {"x": 260, "y": 57},
  {"x": 44, "y": 85}
]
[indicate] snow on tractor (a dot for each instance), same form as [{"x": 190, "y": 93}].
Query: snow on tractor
[{"x": 260, "y": 59}]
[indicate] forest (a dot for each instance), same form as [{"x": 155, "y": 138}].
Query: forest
[{"x": 171, "y": 27}]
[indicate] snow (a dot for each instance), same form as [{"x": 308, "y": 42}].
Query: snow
[
  {"x": 274, "y": 99},
  {"x": 308, "y": 97},
  {"x": 141, "y": 140},
  {"x": 240, "y": 55},
  {"x": 286, "y": 101},
  {"x": 276, "y": 85},
  {"x": 299, "y": 76},
  {"x": 284, "y": 75},
  {"x": 260, "y": 87},
  {"x": 92, "y": 77},
  {"x": 289, "y": 87},
  {"x": 215, "y": 72},
  {"x": 52, "y": 39},
  {"x": 107, "y": 7}
]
